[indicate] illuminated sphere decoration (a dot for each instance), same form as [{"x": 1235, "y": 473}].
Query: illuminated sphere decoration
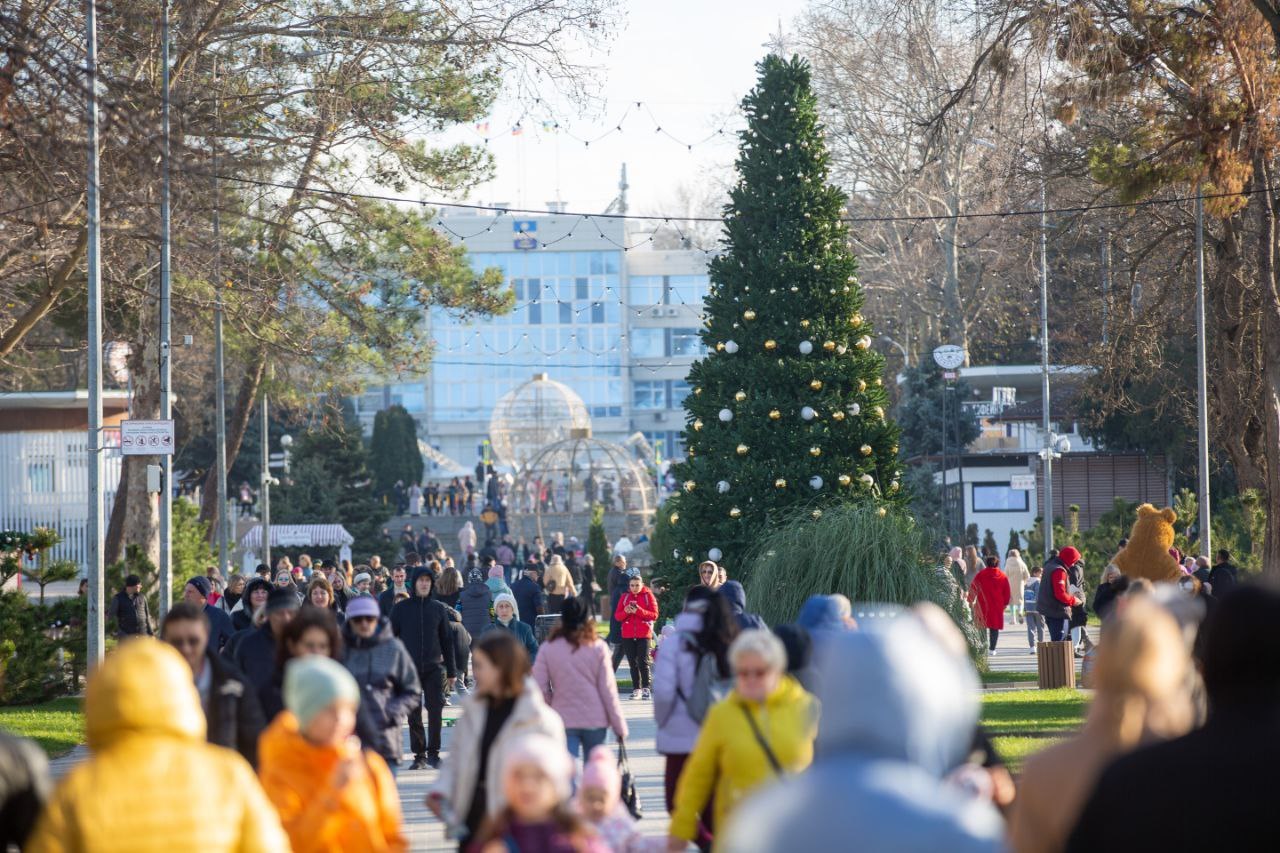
[
  {"x": 806, "y": 347},
  {"x": 808, "y": 413},
  {"x": 731, "y": 347},
  {"x": 725, "y": 416},
  {"x": 715, "y": 554},
  {"x": 722, "y": 487},
  {"x": 533, "y": 415},
  {"x": 734, "y": 512}
]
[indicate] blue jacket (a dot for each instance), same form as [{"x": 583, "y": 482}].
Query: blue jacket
[
  {"x": 529, "y": 599},
  {"x": 737, "y": 598},
  {"x": 220, "y": 627},
  {"x": 899, "y": 713},
  {"x": 523, "y": 633}
]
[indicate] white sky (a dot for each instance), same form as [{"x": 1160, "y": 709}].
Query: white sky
[{"x": 689, "y": 62}]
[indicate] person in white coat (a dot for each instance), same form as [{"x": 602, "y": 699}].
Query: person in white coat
[
  {"x": 1019, "y": 575},
  {"x": 506, "y": 705}
]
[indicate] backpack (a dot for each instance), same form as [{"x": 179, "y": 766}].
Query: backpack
[
  {"x": 1029, "y": 594},
  {"x": 708, "y": 687}
]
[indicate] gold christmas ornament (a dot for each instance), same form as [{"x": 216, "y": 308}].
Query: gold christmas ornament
[
  {"x": 844, "y": 479},
  {"x": 720, "y": 346},
  {"x": 688, "y": 559},
  {"x": 779, "y": 483},
  {"x": 815, "y": 451},
  {"x": 774, "y": 414},
  {"x": 697, "y": 425},
  {"x": 893, "y": 487},
  {"x": 740, "y": 396},
  {"x": 882, "y": 512},
  {"x": 865, "y": 450},
  {"x": 771, "y": 345},
  {"x": 816, "y": 385},
  {"x": 748, "y": 315},
  {"x": 837, "y": 415},
  {"x": 855, "y": 320},
  {"x": 894, "y": 450},
  {"x": 804, "y": 324},
  {"x": 879, "y": 412},
  {"x": 674, "y": 517},
  {"x": 817, "y": 514},
  {"x": 734, "y": 512},
  {"x": 879, "y": 382},
  {"x": 829, "y": 346},
  {"x": 690, "y": 485},
  {"x": 697, "y": 391},
  {"x": 743, "y": 450},
  {"x": 862, "y": 384},
  {"x": 863, "y": 342}
]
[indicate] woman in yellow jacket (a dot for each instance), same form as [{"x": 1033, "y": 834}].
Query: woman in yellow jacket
[
  {"x": 331, "y": 795},
  {"x": 762, "y": 731},
  {"x": 150, "y": 769}
]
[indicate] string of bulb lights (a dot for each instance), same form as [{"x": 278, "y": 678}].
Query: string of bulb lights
[{"x": 616, "y": 127}]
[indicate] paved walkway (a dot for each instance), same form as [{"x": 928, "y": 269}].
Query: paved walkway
[{"x": 427, "y": 833}]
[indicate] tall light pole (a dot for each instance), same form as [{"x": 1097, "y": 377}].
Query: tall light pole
[
  {"x": 264, "y": 495},
  {"x": 94, "y": 562},
  {"x": 166, "y": 370},
  {"x": 1202, "y": 387},
  {"x": 1047, "y": 513},
  {"x": 219, "y": 374}
]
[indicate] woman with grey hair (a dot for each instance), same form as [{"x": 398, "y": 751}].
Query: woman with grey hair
[{"x": 762, "y": 731}]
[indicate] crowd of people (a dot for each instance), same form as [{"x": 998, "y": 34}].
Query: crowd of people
[{"x": 289, "y": 692}]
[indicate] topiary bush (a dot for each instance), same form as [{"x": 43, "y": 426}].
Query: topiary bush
[{"x": 854, "y": 550}]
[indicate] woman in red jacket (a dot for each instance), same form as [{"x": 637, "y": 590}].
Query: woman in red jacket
[
  {"x": 989, "y": 594},
  {"x": 637, "y": 611}
]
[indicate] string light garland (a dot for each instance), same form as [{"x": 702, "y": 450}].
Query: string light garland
[{"x": 553, "y": 126}]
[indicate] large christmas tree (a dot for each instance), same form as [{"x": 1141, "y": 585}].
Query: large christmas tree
[{"x": 787, "y": 413}]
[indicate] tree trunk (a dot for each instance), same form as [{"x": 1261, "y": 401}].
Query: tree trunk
[
  {"x": 210, "y": 512},
  {"x": 1270, "y": 305},
  {"x": 135, "y": 516}
]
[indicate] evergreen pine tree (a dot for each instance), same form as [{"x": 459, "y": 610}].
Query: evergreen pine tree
[
  {"x": 787, "y": 412},
  {"x": 393, "y": 450}
]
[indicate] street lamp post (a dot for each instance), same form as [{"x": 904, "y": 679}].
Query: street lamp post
[
  {"x": 96, "y": 643},
  {"x": 1047, "y": 512},
  {"x": 264, "y": 495},
  {"x": 1202, "y": 388}
]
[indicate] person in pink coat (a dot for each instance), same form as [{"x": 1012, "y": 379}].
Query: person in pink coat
[
  {"x": 637, "y": 610},
  {"x": 574, "y": 671},
  {"x": 989, "y": 595}
]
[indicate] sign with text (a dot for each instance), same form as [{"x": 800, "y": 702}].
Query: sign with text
[
  {"x": 526, "y": 234},
  {"x": 1023, "y": 482},
  {"x": 146, "y": 438}
]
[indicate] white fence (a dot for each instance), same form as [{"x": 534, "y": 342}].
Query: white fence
[{"x": 44, "y": 481}]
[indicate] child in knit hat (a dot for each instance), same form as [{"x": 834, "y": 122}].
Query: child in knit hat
[
  {"x": 600, "y": 804},
  {"x": 537, "y": 773},
  {"x": 329, "y": 793}
]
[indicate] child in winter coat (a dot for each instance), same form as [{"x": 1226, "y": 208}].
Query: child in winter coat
[
  {"x": 330, "y": 795},
  {"x": 600, "y": 804},
  {"x": 637, "y": 611},
  {"x": 536, "y": 776}
]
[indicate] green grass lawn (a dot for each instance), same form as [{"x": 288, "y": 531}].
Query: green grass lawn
[
  {"x": 1007, "y": 677},
  {"x": 58, "y": 726},
  {"x": 1022, "y": 722}
]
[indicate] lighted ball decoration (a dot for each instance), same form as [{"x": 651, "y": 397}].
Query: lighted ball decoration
[
  {"x": 722, "y": 487},
  {"x": 815, "y": 482},
  {"x": 734, "y": 512},
  {"x": 731, "y": 347},
  {"x": 807, "y": 413},
  {"x": 725, "y": 416},
  {"x": 780, "y": 483},
  {"x": 743, "y": 450},
  {"x": 740, "y": 396},
  {"x": 806, "y": 347},
  {"x": 715, "y": 554}
]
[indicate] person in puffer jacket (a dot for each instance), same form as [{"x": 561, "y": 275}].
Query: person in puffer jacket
[
  {"x": 389, "y": 686},
  {"x": 475, "y": 604}
]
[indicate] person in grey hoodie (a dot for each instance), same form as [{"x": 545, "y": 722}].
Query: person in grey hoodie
[
  {"x": 899, "y": 711},
  {"x": 389, "y": 686}
]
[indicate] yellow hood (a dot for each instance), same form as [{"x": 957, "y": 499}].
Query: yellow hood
[{"x": 144, "y": 687}]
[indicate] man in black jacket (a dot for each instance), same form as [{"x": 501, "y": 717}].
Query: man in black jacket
[
  {"x": 254, "y": 651},
  {"x": 1223, "y": 577},
  {"x": 1237, "y": 750},
  {"x": 530, "y": 599},
  {"x": 387, "y": 599},
  {"x": 197, "y": 592},
  {"x": 232, "y": 713},
  {"x": 129, "y": 607},
  {"x": 422, "y": 624}
]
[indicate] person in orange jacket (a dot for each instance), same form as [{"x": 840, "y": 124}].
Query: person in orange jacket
[
  {"x": 990, "y": 594},
  {"x": 331, "y": 795},
  {"x": 637, "y": 611}
]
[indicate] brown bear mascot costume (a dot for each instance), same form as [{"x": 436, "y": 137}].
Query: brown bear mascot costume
[{"x": 1147, "y": 554}]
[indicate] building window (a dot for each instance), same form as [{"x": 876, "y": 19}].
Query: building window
[
  {"x": 597, "y": 312},
  {"x": 685, "y": 342},
  {"x": 688, "y": 289},
  {"x": 679, "y": 390},
  {"x": 649, "y": 394},
  {"x": 646, "y": 343},
  {"x": 40, "y": 476},
  {"x": 645, "y": 290},
  {"x": 998, "y": 497}
]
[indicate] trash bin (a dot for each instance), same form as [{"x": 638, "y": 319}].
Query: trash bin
[{"x": 1057, "y": 664}]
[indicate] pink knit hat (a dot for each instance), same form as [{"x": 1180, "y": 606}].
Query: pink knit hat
[
  {"x": 601, "y": 771},
  {"x": 495, "y": 572}
]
